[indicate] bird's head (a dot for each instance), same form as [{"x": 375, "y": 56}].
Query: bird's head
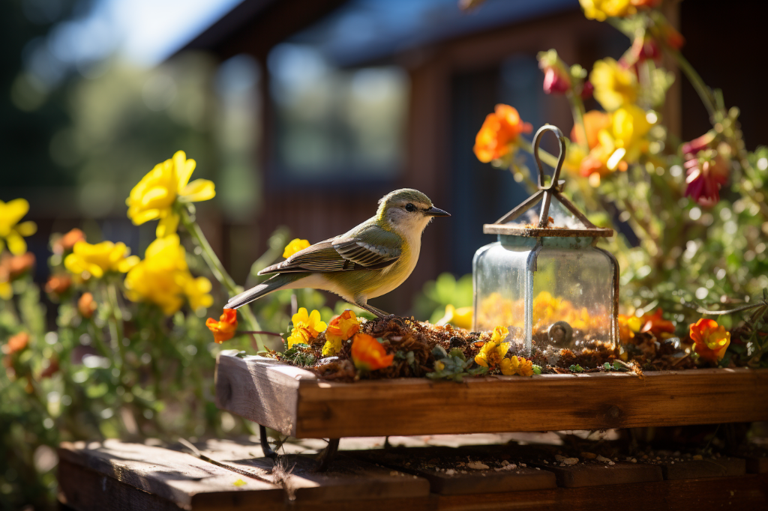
[{"x": 407, "y": 211}]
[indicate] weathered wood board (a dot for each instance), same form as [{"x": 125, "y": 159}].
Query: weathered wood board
[
  {"x": 295, "y": 402},
  {"x": 114, "y": 475}
]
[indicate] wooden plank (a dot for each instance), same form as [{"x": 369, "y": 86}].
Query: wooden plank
[
  {"x": 746, "y": 492},
  {"x": 293, "y": 401},
  {"x": 458, "y": 471},
  {"x": 266, "y": 392},
  {"x": 150, "y": 477},
  {"x": 698, "y": 469},
  {"x": 83, "y": 489},
  {"x": 173, "y": 476}
]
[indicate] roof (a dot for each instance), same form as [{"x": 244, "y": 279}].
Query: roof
[{"x": 355, "y": 32}]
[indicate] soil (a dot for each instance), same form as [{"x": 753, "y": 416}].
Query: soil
[{"x": 413, "y": 342}]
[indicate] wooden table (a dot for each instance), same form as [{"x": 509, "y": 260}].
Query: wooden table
[{"x": 234, "y": 476}]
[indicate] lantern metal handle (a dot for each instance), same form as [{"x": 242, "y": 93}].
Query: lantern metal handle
[{"x": 554, "y": 185}]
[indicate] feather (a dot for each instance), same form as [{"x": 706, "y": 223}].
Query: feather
[{"x": 367, "y": 247}]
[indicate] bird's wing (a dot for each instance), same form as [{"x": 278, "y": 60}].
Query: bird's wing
[{"x": 371, "y": 248}]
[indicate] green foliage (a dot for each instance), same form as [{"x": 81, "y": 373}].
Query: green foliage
[
  {"x": 300, "y": 355},
  {"x": 445, "y": 290},
  {"x": 576, "y": 368},
  {"x": 453, "y": 365}
]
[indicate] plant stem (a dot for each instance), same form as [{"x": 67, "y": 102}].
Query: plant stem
[
  {"x": 117, "y": 317},
  {"x": 708, "y": 98},
  {"x": 701, "y": 88},
  {"x": 216, "y": 267},
  {"x": 577, "y": 108}
]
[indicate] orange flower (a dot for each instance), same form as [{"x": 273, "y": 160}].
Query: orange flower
[
  {"x": 86, "y": 305},
  {"x": 499, "y": 133},
  {"x": 594, "y": 121},
  {"x": 657, "y": 325},
  {"x": 343, "y": 327},
  {"x": 17, "y": 265},
  {"x": 710, "y": 339},
  {"x": 16, "y": 343},
  {"x": 58, "y": 284},
  {"x": 224, "y": 328},
  {"x": 67, "y": 241},
  {"x": 368, "y": 354}
]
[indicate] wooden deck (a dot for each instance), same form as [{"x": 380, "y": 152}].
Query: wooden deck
[
  {"x": 295, "y": 402},
  {"x": 228, "y": 475}
]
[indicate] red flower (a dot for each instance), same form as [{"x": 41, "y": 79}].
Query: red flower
[
  {"x": 706, "y": 170},
  {"x": 556, "y": 82},
  {"x": 710, "y": 339},
  {"x": 657, "y": 325},
  {"x": 705, "y": 177},
  {"x": 368, "y": 354},
  {"x": 224, "y": 329},
  {"x": 587, "y": 90}
]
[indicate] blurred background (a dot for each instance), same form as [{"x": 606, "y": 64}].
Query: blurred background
[{"x": 305, "y": 112}]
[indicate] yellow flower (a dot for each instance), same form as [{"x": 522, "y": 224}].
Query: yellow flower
[
  {"x": 11, "y": 231},
  {"x": 88, "y": 260},
  {"x": 601, "y": 9},
  {"x": 157, "y": 193},
  {"x": 615, "y": 86},
  {"x": 340, "y": 329},
  {"x": 517, "y": 365},
  {"x": 461, "y": 318},
  {"x": 6, "y": 290},
  {"x": 493, "y": 351},
  {"x": 629, "y": 127},
  {"x": 198, "y": 292},
  {"x": 163, "y": 278},
  {"x": 305, "y": 327},
  {"x": 296, "y": 245}
]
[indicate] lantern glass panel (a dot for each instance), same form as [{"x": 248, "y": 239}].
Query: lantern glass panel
[{"x": 549, "y": 292}]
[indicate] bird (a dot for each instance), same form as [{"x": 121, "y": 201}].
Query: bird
[{"x": 368, "y": 261}]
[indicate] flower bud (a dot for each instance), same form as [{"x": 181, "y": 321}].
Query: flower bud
[
  {"x": 86, "y": 305},
  {"x": 555, "y": 82}
]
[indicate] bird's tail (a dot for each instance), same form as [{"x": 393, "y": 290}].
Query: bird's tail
[{"x": 266, "y": 287}]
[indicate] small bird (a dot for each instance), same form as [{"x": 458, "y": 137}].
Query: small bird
[{"x": 370, "y": 260}]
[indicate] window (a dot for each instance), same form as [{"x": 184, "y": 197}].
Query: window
[{"x": 331, "y": 122}]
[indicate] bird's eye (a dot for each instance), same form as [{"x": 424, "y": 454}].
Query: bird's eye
[{"x": 410, "y": 208}]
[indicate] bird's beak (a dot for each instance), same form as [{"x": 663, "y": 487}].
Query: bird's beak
[{"x": 433, "y": 211}]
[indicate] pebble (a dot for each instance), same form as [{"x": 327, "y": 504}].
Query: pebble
[
  {"x": 603, "y": 459},
  {"x": 571, "y": 461},
  {"x": 588, "y": 455},
  {"x": 450, "y": 472},
  {"x": 559, "y": 458},
  {"x": 476, "y": 465},
  {"x": 504, "y": 463}
]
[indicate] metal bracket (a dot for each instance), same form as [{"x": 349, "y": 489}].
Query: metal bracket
[{"x": 324, "y": 457}]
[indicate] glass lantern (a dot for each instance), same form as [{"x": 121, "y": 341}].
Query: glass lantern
[{"x": 544, "y": 279}]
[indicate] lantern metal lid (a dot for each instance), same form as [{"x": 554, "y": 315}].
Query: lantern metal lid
[{"x": 545, "y": 195}]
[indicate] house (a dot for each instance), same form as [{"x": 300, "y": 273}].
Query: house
[{"x": 330, "y": 148}]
